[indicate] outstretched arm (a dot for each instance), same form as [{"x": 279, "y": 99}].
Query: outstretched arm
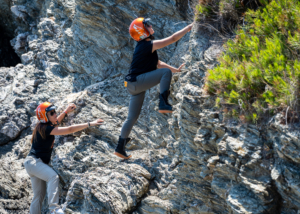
[
  {"x": 158, "y": 44},
  {"x": 74, "y": 128},
  {"x": 161, "y": 64}
]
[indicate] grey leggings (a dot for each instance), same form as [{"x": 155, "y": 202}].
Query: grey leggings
[
  {"x": 42, "y": 177},
  {"x": 138, "y": 89}
]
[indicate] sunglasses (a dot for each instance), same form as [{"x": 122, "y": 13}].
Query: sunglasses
[
  {"x": 52, "y": 113},
  {"x": 147, "y": 22}
]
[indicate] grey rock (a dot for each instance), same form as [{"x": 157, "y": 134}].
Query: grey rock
[
  {"x": 153, "y": 204},
  {"x": 189, "y": 162},
  {"x": 15, "y": 186}
]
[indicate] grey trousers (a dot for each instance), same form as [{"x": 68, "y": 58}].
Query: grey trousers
[
  {"x": 42, "y": 176},
  {"x": 138, "y": 90}
]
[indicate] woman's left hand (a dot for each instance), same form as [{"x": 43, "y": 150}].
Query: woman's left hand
[
  {"x": 70, "y": 107},
  {"x": 179, "y": 69}
]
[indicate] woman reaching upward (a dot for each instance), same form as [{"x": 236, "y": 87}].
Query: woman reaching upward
[
  {"x": 146, "y": 71},
  {"x": 42, "y": 176}
]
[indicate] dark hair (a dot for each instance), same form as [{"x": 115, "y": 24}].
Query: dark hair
[
  {"x": 151, "y": 37},
  {"x": 41, "y": 128}
]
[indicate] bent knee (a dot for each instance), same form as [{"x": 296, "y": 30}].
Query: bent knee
[
  {"x": 167, "y": 71},
  {"x": 54, "y": 178}
]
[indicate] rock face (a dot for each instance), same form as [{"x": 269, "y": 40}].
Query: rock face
[
  {"x": 99, "y": 31},
  {"x": 192, "y": 161}
]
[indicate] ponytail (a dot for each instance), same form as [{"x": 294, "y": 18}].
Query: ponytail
[{"x": 41, "y": 128}]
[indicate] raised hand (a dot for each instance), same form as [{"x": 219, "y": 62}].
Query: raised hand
[
  {"x": 179, "y": 69},
  {"x": 97, "y": 122},
  {"x": 70, "y": 107},
  {"x": 190, "y": 26}
]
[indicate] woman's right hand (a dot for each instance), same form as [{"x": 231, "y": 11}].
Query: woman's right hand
[
  {"x": 70, "y": 108},
  {"x": 97, "y": 122},
  {"x": 190, "y": 26}
]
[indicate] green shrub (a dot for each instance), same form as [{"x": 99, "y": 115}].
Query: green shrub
[
  {"x": 223, "y": 15},
  {"x": 259, "y": 72}
]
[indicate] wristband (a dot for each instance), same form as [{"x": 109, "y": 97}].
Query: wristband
[
  {"x": 89, "y": 124},
  {"x": 65, "y": 112}
]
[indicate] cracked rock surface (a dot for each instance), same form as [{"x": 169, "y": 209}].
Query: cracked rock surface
[{"x": 192, "y": 161}]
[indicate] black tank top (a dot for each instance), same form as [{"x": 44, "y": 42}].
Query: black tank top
[
  {"x": 143, "y": 60},
  {"x": 42, "y": 148}
]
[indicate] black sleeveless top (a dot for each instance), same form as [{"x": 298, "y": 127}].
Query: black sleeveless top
[
  {"x": 143, "y": 60},
  {"x": 42, "y": 148}
]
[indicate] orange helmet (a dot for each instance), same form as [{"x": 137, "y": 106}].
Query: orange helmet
[
  {"x": 137, "y": 29},
  {"x": 41, "y": 111}
]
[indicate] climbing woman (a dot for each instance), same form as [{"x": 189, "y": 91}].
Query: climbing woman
[
  {"x": 36, "y": 163},
  {"x": 146, "y": 71}
]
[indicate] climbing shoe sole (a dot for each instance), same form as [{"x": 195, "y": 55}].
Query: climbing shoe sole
[
  {"x": 122, "y": 156},
  {"x": 165, "y": 111}
]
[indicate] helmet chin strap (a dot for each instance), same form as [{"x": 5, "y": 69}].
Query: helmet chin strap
[{"x": 151, "y": 36}]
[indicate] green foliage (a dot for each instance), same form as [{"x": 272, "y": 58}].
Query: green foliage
[
  {"x": 259, "y": 72},
  {"x": 222, "y": 15},
  {"x": 203, "y": 9}
]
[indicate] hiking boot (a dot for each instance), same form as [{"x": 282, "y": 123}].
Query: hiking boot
[
  {"x": 120, "y": 150},
  {"x": 164, "y": 106}
]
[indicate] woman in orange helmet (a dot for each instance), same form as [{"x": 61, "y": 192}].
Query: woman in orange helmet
[
  {"x": 36, "y": 163},
  {"x": 145, "y": 72}
]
